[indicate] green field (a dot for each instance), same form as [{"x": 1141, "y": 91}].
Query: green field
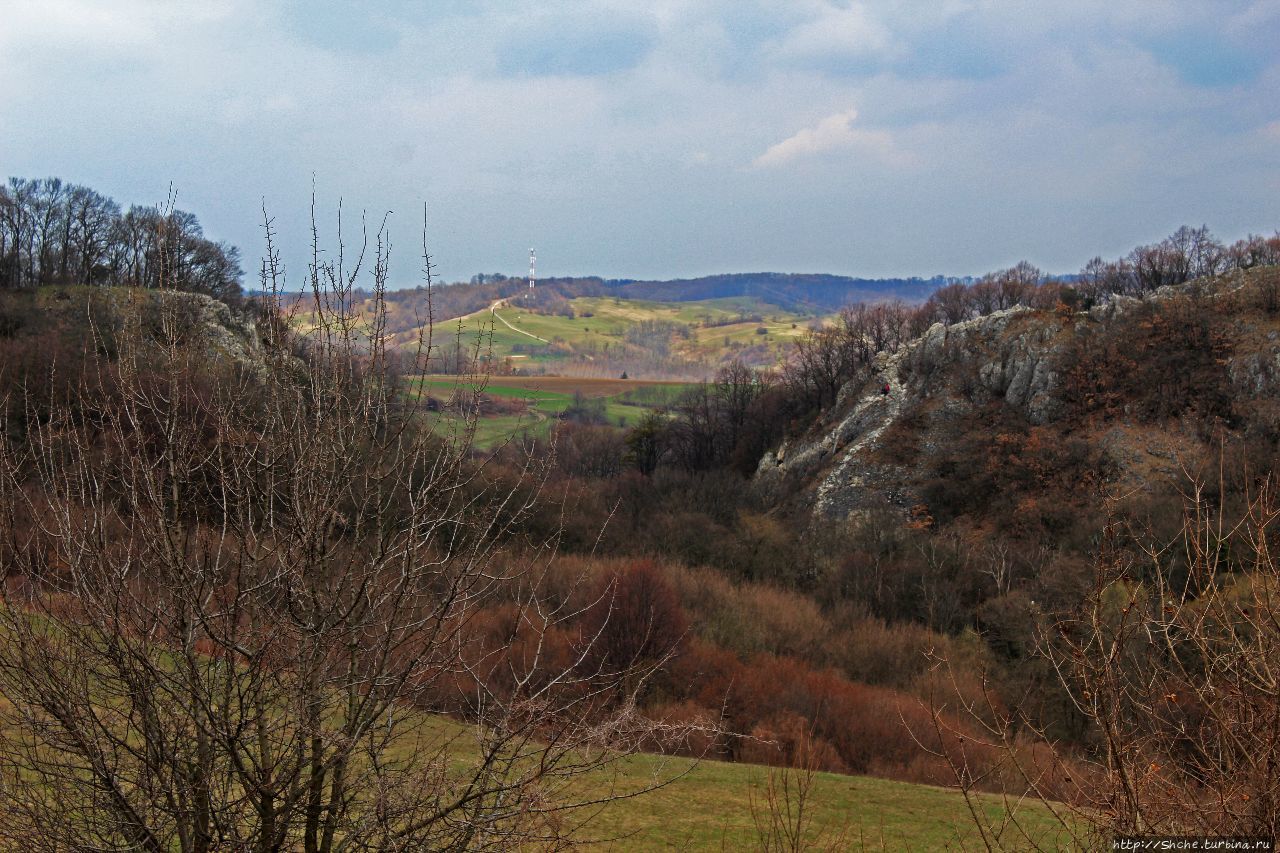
[
  {"x": 707, "y": 805},
  {"x": 625, "y": 402}
]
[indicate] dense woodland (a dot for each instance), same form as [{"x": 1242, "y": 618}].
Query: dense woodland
[{"x": 620, "y": 588}]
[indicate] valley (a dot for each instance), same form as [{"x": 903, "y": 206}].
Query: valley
[
  {"x": 506, "y": 570},
  {"x": 846, "y": 425}
]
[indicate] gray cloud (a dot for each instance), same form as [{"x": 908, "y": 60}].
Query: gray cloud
[{"x": 638, "y": 143}]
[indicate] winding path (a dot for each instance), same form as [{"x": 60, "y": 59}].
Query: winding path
[{"x": 502, "y": 303}]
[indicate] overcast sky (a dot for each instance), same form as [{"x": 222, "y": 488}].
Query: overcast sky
[{"x": 666, "y": 138}]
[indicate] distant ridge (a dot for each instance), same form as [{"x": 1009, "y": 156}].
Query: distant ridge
[
  {"x": 816, "y": 292},
  {"x": 803, "y": 293}
]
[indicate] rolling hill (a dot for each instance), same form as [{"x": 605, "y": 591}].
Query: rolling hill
[{"x": 607, "y": 336}]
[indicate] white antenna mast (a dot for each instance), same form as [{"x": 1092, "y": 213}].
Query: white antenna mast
[{"x": 532, "y": 277}]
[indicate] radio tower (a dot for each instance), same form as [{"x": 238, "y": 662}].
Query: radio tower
[{"x": 532, "y": 277}]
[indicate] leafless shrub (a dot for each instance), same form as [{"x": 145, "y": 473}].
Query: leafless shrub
[
  {"x": 783, "y": 811},
  {"x": 1172, "y": 659}
]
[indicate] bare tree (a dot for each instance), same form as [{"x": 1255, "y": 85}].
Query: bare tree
[
  {"x": 986, "y": 294},
  {"x": 1017, "y": 283},
  {"x": 952, "y": 303},
  {"x": 236, "y": 592},
  {"x": 1254, "y": 251}
]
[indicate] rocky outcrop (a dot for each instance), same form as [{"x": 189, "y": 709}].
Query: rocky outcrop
[
  {"x": 1008, "y": 356},
  {"x": 840, "y": 447},
  {"x": 218, "y": 334},
  {"x": 1257, "y": 374},
  {"x": 224, "y": 333},
  {"x": 1017, "y": 357}
]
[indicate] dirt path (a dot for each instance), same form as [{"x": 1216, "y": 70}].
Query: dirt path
[{"x": 502, "y": 303}]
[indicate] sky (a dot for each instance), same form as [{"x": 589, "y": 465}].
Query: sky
[{"x": 663, "y": 139}]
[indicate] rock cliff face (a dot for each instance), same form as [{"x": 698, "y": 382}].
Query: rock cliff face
[
  {"x": 1008, "y": 355},
  {"x": 220, "y": 333},
  {"x": 1016, "y": 358}
]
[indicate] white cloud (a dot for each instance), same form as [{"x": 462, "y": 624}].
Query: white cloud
[
  {"x": 834, "y": 33},
  {"x": 109, "y": 27},
  {"x": 833, "y": 132}
]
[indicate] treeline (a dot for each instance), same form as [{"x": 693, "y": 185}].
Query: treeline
[
  {"x": 52, "y": 232},
  {"x": 792, "y": 291},
  {"x": 1187, "y": 254}
]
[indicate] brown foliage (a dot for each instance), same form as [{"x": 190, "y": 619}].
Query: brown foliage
[
  {"x": 1175, "y": 673},
  {"x": 637, "y": 620}
]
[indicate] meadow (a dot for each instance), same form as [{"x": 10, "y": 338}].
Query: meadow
[
  {"x": 711, "y": 808},
  {"x": 702, "y": 804},
  {"x": 546, "y": 398}
]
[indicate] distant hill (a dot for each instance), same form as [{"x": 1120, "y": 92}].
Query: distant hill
[
  {"x": 803, "y": 292},
  {"x": 800, "y": 293}
]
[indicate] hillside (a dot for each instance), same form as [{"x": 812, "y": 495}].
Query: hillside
[
  {"x": 591, "y": 327},
  {"x": 716, "y": 805},
  {"x": 103, "y": 377},
  {"x": 805, "y": 294},
  {"x": 1010, "y": 419}
]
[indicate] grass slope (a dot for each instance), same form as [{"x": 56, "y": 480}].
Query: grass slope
[
  {"x": 709, "y": 805},
  {"x": 710, "y": 809}
]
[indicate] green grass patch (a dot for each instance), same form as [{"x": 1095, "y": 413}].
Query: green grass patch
[
  {"x": 710, "y": 809},
  {"x": 708, "y": 806},
  {"x": 717, "y": 327}
]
